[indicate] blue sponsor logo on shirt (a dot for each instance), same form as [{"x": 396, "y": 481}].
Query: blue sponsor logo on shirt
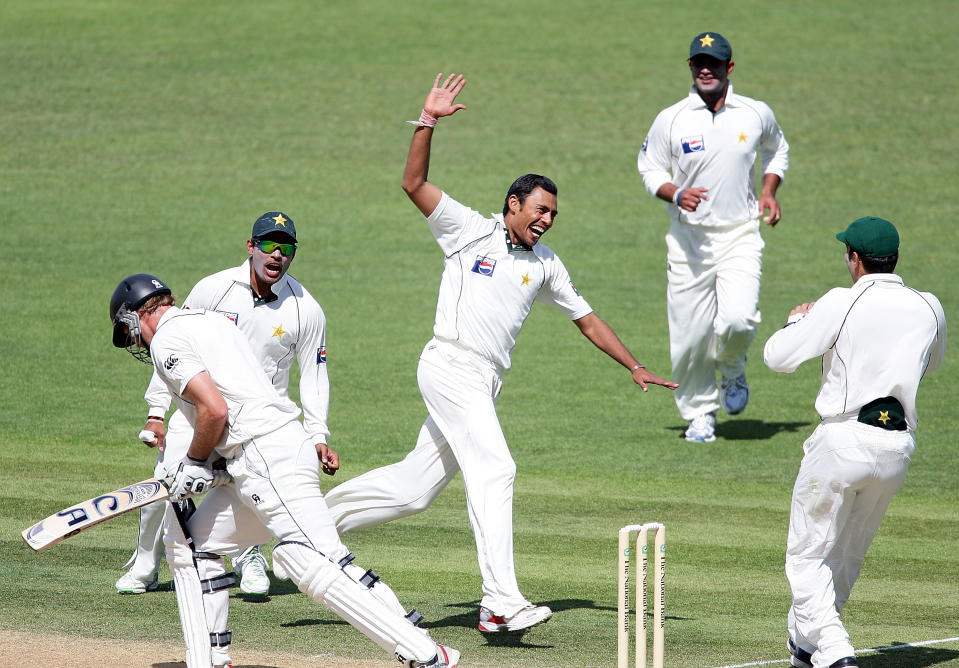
[
  {"x": 484, "y": 266},
  {"x": 321, "y": 355},
  {"x": 645, "y": 144},
  {"x": 693, "y": 144}
]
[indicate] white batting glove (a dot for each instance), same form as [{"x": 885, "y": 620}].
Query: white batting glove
[{"x": 191, "y": 477}]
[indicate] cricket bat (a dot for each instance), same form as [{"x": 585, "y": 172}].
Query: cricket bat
[{"x": 71, "y": 521}]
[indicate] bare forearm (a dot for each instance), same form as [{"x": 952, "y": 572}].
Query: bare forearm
[{"x": 207, "y": 433}]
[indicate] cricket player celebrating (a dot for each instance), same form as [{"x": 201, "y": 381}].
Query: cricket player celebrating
[
  {"x": 877, "y": 340},
  {"x": 282, "y": 321},
  {"x": 238, "y": 415},
  {"x": 493, "y": 271},
  {"x": 700, "y": 156}
]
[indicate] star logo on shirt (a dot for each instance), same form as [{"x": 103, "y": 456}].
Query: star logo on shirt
[
  {"x": 278, "y": 332},
  {"x": 706, "y": 40},
  {"x": 526, "y": 279},
  {"x": 278, "y": 219},
  {"x": 884, "y": 417},
  {"x": 742, "y": 138}
]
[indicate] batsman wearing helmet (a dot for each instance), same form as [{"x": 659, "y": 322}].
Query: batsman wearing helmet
[
  {"x": 493, "y": 270},
  {"x": 283, "y": 322},
  {"x": 239, "y": 417}
]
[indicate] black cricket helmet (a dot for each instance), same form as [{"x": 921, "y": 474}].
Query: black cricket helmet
[{"x": 132, "y": 293}]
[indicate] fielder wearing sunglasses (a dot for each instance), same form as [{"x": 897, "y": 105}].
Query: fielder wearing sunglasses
[{"x": 268, "y": 246}]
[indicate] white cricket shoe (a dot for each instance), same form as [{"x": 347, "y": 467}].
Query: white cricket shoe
[
  {"x": 130, "y": 584},
  {"x": 526, "y": 618},
  {"x": 251, "y": 567},
  {"x": 702, "y": 429},
  {"x": 446, "y": 657},
  {"x": 734, "y": 394}
]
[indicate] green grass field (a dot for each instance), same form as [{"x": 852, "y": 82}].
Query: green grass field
[{"x": 149, "y": 136}]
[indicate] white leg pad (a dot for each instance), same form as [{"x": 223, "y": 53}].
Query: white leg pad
[
  {"x": 327, "y": 583},
  {"x": 189, "y": 595},
  {"x": 217, "y": 606},
  {"x": 189, "y": 600}
]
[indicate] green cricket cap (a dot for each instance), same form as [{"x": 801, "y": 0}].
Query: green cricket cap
[
  {"x": 274, "y": 221},
  {"x": 871, "y": 236},
  {"x": 711, "y": 44}
]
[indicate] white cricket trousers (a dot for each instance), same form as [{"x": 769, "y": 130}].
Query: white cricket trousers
[
  {"x": 847, "y": 478},
  {"x": 712, "y": 300},
  {"x": 275, "y": 493},
  {"x": 462, "y": 433}
]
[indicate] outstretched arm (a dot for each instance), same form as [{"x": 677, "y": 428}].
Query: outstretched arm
[
  {"x": 439, "y": 103},
  {"x": 603, "y": 337}
]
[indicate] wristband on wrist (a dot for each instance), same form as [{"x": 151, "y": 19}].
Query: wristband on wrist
[
  {"x": 426, "y": 120},
  {"x": 677, "y": 195},
  {"x": 155, "y": 418},
  {"x": 636, "y": 368},
  {"x": 194, "y": 459}
]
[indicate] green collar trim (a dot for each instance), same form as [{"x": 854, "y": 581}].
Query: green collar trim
[{"x": 516, "y": 248}]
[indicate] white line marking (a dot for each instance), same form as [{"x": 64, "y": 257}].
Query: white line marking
[{"x": 871, "y": 650}]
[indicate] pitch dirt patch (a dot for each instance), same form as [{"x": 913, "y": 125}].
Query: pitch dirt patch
[{"x": 18, "y": 648}]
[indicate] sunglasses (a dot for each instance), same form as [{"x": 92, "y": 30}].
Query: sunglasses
[{"x": 267, "y": 246}]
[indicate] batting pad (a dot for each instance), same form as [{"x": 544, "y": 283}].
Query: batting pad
[
  {"x": 327, "y": 583},
  {"x": 189, "y": 600}
]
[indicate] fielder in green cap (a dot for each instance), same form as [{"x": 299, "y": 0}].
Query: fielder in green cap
[
  {"x": 877, "y": 340},
  {"x": 872, "y": 237},
  {"x": 700, "y": 156}
]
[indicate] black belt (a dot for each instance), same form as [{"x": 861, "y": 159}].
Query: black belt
[{"x": 885, "y": 413}]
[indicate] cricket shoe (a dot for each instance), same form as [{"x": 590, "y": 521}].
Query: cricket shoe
[
  {"x": 130, "y": 584},
  {"x": 734, "y": 394},
  {"x": 446, "y": 657},
  {"x": 798, "y": 657},
  {"x": 702, "y": 429},
  {"x": 252, "y": 569},
  {"x": 526, "y": 618}
]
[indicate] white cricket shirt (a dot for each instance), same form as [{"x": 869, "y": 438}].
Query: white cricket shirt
[
  {"x": 290, "y": 326},
  {"x": 877, "y": 339},
  {"x": 489, "y": 285},
  {"x": 689, "y": 145},
  {"x": 188, "y": 342}
]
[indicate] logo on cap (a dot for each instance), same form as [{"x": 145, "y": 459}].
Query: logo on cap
[{"x": 279, "y": 220}]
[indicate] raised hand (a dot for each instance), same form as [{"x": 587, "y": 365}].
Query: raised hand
[{"x": 440, "y": 101}]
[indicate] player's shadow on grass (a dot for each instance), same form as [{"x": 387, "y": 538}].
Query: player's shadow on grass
[
  {"x": 277, "y": 588},
  {"x": 751, "y": 430},
  {"x": 914, "y": 657}
]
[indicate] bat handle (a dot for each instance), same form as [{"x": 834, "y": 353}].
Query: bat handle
[{"x": 148, "y": 437}]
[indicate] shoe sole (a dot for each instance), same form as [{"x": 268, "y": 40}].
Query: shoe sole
[{"x": 529, "y": 626}]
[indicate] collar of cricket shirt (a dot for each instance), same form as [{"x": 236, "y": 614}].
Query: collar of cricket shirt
[{"x": 516, "y": 248}]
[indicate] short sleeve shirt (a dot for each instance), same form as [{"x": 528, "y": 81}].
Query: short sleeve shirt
[{"x": 489, "y": 284}]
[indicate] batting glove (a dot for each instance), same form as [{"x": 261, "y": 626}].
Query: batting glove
[{"x": 191, "y": 477}]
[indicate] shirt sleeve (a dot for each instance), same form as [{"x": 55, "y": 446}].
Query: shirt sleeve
[
  {"x": 655, "y": 157},
  {"x": 454, "y": 226},
  {"x": 175, "y": 360},
  {"x": 158, "y": 395},
  {"x": 774, "y": 151},
  {"x": 558, "y": 289},
  {"x": 938, "y": 353},
  {"x": 314, "y": 379},
  {"x": 810, "y": 337}
]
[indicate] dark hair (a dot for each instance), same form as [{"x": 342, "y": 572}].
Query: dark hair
[
  {"x": 526, "y": 184},
  {"x": 875, "y": 265}
]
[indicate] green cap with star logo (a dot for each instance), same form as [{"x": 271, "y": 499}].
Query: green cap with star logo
[
  {"x": 273, "y": 221},
  {"x": 871, "y": 236},
  {"x": 711, "y": 44}
]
